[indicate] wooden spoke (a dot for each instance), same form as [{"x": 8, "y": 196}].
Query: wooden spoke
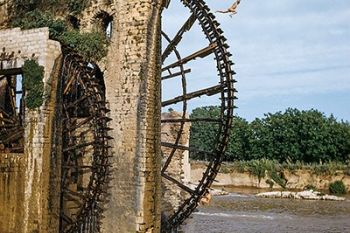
[
  {"x": 178, "y": 183},
  {"x": 80, "y": 124},
  {"x": 176, "y": 74},
  {"x": 191, "y": 120},
  {"x": 208, "y": 91},
  {"x": 186, "y": 27},
  {"x": 79, "y": 146},
  {"x": 200, "y": 53},
  {"x": 66, "y": 218},
  {"x": 13, "y": 71}
]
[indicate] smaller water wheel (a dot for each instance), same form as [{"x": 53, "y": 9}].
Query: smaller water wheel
[
  {"x": 11, "y": 116},
  {"x": 85, "y": 146}
]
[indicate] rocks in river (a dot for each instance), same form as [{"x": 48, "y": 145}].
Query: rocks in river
[
  {"x": 306, "y": 195},
  {"x": 217, "y": 192},
  {"x": 214, "y": 192}
]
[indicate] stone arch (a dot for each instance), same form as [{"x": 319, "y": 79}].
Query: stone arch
[
  {"x": 95, "y": 13},
  {"x": 103, "y": 22}
]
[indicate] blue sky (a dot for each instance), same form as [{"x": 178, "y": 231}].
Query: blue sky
[{"x": 287, "y": 53}]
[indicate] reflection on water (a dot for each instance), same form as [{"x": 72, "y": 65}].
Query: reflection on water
[{"x": 242, "y": 212}]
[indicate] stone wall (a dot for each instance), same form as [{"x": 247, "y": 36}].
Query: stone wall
[
  {"x": 179, "y": 168},
  {"x": 4, "y": 4},
  {"x": 12, "y": 172},
  {"x": 132, "y": 79},
  {"x": 41, "y": 178}
]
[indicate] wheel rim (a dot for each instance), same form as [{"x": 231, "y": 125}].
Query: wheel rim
[{"x": 223, "y": 89}]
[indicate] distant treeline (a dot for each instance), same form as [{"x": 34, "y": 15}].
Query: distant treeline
[{"x": 293, "y": 135}]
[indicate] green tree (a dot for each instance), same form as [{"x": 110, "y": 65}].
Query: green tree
[
  {"x": 203, "y": 135},
  {"x": 307, "y": 136},
  {"x": 239, "y": 146}
]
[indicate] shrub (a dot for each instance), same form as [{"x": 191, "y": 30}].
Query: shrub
[
  {"x": 77, "y": 6},
  {"x": 38, "y": 19},
  {"x": 270, "y": 183},
  {"x": 278, "y": 178},
  {"x": 33, "y": 84},
  {"x": 337, "y": 187},
  {"x": 92, "y": 46}
]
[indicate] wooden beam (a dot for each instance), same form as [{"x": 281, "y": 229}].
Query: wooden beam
[{"x": 13, "y": 71}]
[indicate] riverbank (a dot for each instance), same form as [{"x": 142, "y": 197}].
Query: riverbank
[
  {"x": 232, "y": 175},
  {"x": 241, "y": 211}
]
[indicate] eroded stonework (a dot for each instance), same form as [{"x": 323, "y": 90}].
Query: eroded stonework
[{"x": 38, "y": 202}]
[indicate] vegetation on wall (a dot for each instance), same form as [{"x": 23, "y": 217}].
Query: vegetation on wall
[
  {"x": 294, "y": 135},
  {"x": 73, "y": 6},
  {"x": 33, "y": 84},
  {"x": 38, "y": 19},
  {"x": 36, "y": 14},
  {"x": 77, "y": 6},
  {"x": 91, "y": 46}
]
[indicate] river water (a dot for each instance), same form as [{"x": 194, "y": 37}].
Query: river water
[{"x": 242, "y": 212}]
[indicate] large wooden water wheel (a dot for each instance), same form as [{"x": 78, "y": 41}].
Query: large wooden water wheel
[{"x": 182, "y": 71}]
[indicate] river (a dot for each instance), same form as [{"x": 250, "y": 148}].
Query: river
[{"x": 242, "y": 212}]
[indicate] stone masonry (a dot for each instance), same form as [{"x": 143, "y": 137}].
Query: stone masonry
[
  {"x": 179, "y": 168},
  {"x": 35, "y": 169},
  {"x": 4, "y": 4},
  {"x": 132, "y": 79}
]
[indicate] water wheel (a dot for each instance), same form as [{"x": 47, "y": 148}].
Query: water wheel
[
  {"x": 11, "y": 116},
  {"x": 85, "y": 146},
  {"x": 182, "y": 70}
]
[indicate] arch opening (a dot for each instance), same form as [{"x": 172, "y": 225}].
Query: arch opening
[{"x": 103, "y": 22}]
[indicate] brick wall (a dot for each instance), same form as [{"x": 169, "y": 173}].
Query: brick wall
[
  {"x": 11, "y": 192},
  {"x": 40, "y": 201},
  {"x": 133, "y": 90},
  {"x": 179, "y": 168}
]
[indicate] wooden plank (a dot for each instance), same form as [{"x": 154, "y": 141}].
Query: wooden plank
[
  {"x": 200, "y": 53},
  {"x": 208, "y": 91},
  {"x": 13, "y": 71}
]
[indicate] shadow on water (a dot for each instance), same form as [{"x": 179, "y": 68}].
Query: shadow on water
[{"x": 242, "y": 212}]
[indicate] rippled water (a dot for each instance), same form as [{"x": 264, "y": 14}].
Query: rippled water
[{"x": 244, "y": 213}]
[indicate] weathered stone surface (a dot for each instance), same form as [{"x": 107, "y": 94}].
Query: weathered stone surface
[
  {"x": 179, "y": 168},
  {"x": 12, "y": 172},
  {"x": 4, "y": 5},
  {"x": 132, "y": 79},
  {"x": 39, "y": 176}
]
